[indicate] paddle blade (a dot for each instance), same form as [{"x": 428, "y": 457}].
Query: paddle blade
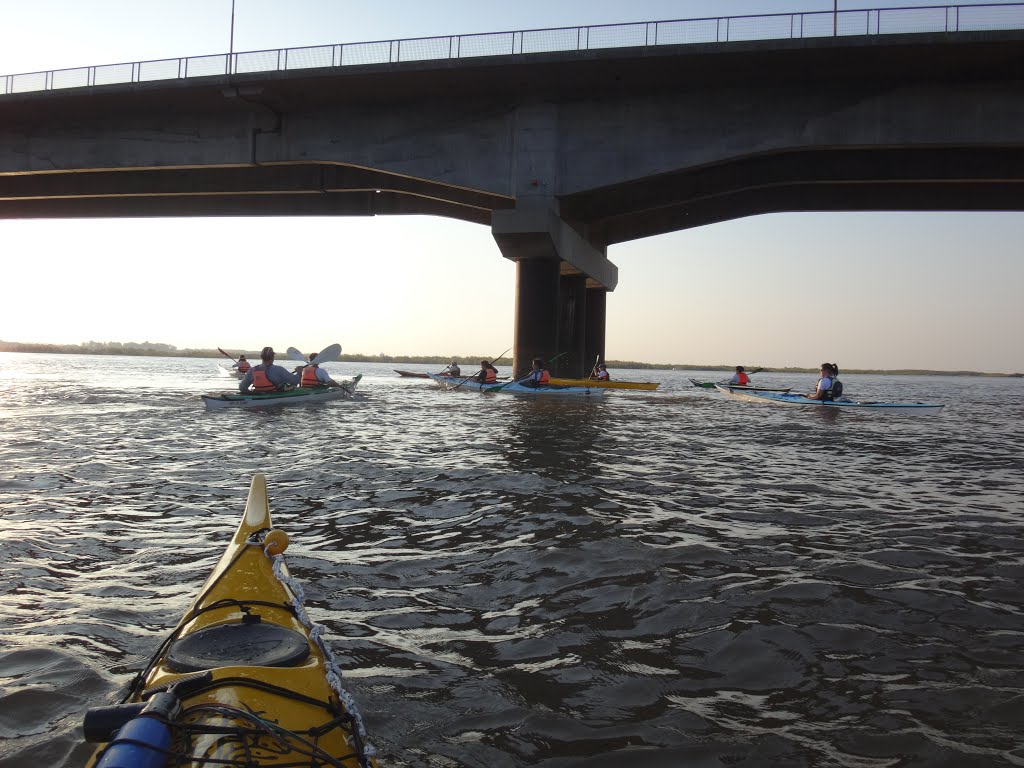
[
  {"x": 225, "y": 353},
  {"x": 294, "y": 354},
  {"x": 327, "y": 355}
]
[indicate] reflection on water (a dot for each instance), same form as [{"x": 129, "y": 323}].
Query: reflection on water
[{"x": 669, "y": 577}]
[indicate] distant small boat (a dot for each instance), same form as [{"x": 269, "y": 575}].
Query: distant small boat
[
  {"x": 412, "y": 374},
  {"x": 646, "y": 385},
  {"x": 779, "y": 398}
]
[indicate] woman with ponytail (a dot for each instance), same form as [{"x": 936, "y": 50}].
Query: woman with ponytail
[{"x": 829, "y": 387}]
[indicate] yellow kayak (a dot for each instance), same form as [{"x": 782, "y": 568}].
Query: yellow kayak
[
  {"x": 243, "y": 680},
  {"x": 606, "y": 384}
]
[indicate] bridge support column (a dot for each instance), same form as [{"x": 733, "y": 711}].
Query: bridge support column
[
  {"x": 556, "y": 272},
  {"x": 596, "y": 317},
  {"x": 537, "y": 313},
  {"x": 572, "y": 324}
]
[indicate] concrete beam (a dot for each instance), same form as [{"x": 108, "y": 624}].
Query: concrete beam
[{"x": 539, "y": 232}]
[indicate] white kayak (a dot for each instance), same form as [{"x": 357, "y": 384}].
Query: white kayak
[
  {"x": 289, "y": 397},
  {"x": 514, "y": 388},
  {"x": 230, "y": 372},
  {"x": 781, "y": 398}
]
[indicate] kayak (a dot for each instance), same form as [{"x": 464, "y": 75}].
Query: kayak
[
  {"x": 243, "y": 680},
  {"x": 229, "y": 372},
  {"x": 514, "y": 388},
  {"x": 780, "y": 398},
  {"x": 419, "y": 375},
  {"x": 288, "y": 397},
  {"x": 645, "y": 385},
  {"x": 747, "y": 387},
  {"x": 752, "y": 388}
]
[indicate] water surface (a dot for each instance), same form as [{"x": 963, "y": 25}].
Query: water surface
[{"x": 671, "y": 578}]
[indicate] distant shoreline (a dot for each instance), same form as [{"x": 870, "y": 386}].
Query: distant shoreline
[{"x": 141, "y": 350}]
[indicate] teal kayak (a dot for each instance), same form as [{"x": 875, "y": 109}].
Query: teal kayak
[
  {"x": 288, "y": 397},
  {"x": 843, "y": 404}
]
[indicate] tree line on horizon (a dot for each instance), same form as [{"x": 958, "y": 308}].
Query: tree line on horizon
[{"x": 147, "y": 349}]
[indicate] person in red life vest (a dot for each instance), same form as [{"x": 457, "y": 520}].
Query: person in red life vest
[
  {"x": 487, "y": 374},
  {"x": 601, "y": 374},
  {"x": 242, "y": 365},
  {"x": 315, "y": 376},
  {"x": 740, "y": 377},
  {"x": 538, "y": 377},
  {"x": 267, "y": 377}
]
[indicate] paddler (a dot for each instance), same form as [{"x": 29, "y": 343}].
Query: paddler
[
  {"x": 601, "y": 374},
  {"x": 315, "y": 376},
  {"x": 538, "y": 377},
  {"x": 829, "y": 386},
  {"x": 487, "y": 374},
  {"x": 740, "y": 378},
  {"x": 242, "y": 365},
  {"x": 268, "y": 377}
]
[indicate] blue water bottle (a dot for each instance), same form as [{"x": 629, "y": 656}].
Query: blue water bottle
[{"x": 144, "y": 741}]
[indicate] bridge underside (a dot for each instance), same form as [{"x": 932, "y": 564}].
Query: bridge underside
[{"x": 934, "y": 178}]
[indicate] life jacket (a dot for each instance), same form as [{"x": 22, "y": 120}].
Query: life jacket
[
  {"x": 603, "y": 376},
  {"x": 743, "y": 379},
  {"x": 309, "y": 378},
  {"x": 260, "y": 382},
  {"x": 490, "y": 376},
  {"x": 243, "y": 367},
  {"x": 544, "y": 378},
  {"x": 835, "y": 390}
]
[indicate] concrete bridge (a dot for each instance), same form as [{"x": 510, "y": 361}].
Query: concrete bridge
[{"x": 562, "y": 153}]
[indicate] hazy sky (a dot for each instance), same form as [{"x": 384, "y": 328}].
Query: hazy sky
[{"x": 887, "y": 290}]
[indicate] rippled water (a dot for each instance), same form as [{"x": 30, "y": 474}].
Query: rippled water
[{"x": 668, "y": 578}]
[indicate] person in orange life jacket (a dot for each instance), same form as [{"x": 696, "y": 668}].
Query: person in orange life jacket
[
  {"x": 487, "y": 374},
  {"x": 740, "y": 377},
  {"x": 601, "y": 374},
  {"x": 242, "y": 365},
  {"x": 267, "y": 377},
  {"x": 315, "y": 376},
  {"x": 829, "y": 386},
  {"x": 538, "y": 376}
]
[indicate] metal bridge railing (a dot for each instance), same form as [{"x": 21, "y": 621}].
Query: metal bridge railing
[{"x": 880, "y": 21}]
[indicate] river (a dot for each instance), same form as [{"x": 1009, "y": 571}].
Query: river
[{"x": 670, "y": 578}]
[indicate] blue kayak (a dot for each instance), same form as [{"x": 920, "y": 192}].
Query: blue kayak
[
  {"x": 514, "y": 388},
  {"x": 782, "y": 398}
]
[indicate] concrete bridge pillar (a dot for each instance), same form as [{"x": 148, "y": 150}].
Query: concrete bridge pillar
[
  {"x": 537, "y": 313},
  {"x": 596, "y": 318},
  {"x": 557, "y": 274}
]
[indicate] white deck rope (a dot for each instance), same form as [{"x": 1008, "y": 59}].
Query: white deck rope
[{"x": 333, "y": 669}]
